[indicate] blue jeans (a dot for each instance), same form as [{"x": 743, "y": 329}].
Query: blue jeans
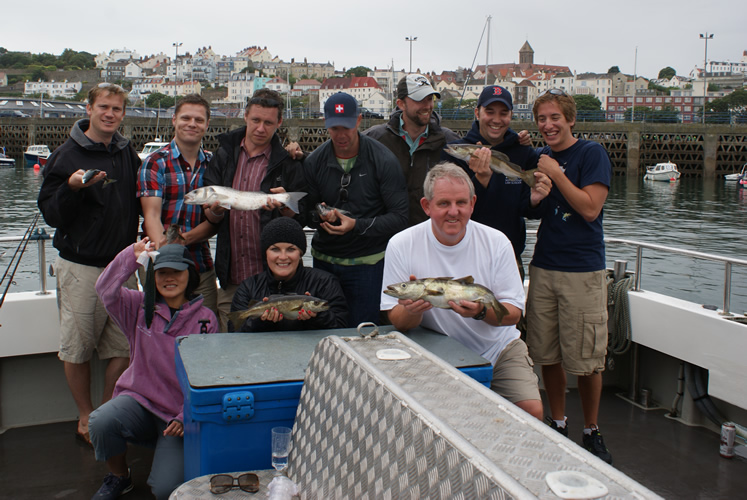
[
  {"x": 361, "y": 285},
  {"x": 123, "y": 420}
]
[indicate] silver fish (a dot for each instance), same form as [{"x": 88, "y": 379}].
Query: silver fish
[
  {"x": 288, "y": 305},
  {"x": 440, "y": 291},
  {"x": 90, "y": 174},
  {"x": 499, "y": 163},
  {"x": 240, "y": 200},
  {"x": 174, "y": 235},
  {"x": 323, "y": 210}
]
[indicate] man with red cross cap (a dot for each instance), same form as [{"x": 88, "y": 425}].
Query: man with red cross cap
[{"x": 361, "y": 181}]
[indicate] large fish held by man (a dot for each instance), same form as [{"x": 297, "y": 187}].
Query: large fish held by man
[
  {"x": 499, "y": 162},
  {"x": 233, "y": 199},
  {"x": 440, "y": 291}
]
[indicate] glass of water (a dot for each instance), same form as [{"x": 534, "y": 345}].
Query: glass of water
[{"x": 281, "y": 442}]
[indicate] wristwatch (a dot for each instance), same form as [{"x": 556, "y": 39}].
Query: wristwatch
[{"x": 481, "y": 315}]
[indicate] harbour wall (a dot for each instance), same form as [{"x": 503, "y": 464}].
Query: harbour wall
[{"x": 698, "y": 150}]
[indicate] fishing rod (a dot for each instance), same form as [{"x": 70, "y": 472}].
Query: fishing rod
[{"x": 16, "y": 258}]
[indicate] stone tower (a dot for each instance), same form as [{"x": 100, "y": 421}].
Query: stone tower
[{"x": 526, "y": 54}]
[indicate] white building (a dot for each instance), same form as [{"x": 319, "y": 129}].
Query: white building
[
  {"x": 278, "y": 85},
  {"x": 53, "y": 89},
  {"x": 133, "y": 71},
  {"x": 240, "y": 88},
  {"x": 378, "y": 103},
  {"x": 142, "y": 88}
]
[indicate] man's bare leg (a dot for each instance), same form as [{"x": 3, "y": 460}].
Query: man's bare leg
[{"x": 78, "y": 377}]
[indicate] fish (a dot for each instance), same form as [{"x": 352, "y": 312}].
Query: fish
[
  {"x": 174, "y": 235},
  {"x": 440, "y": 291},
  {"x": 499, "y": 163},
  {"x": 288, "y": 305},
  {"x": 323, "y": 210},
  {"x": 240, "y": 200},
  {"x": 90, "y": 174}
]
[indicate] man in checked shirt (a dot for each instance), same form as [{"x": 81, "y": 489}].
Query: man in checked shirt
[{"x": 170, "y": 173}]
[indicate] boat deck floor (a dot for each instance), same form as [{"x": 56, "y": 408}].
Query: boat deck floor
[{"x": 670, "y": 458}]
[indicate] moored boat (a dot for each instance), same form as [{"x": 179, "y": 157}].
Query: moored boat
[
  {"x": 36, "y": 154},
  {"x": 6, "y": 161},
  {"x": 665, "y": 171},
  {"x": 151, "y": 147},
  {"x": 742, "y": 174}
]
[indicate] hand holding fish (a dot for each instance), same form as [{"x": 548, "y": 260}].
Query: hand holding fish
[
  {"x": 141, "y": 246},
  {"x": 85, "y": 178},
  {"x": 479, "y": 163},
  {"x": 550, "y": 167},
  {"x": 272, "y": 203},
  {"x": 542, "y": 188},
  {"x": 346, "y": 223}
]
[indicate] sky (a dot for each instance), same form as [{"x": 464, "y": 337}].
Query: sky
[{"x": 640, "y": 37}]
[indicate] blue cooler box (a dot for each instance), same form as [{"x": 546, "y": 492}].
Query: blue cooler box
[{"x": 238, "y": 386}]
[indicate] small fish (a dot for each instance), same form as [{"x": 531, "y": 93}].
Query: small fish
[
  {"x": 440, "y": 291},
  {"x": 288, "y": 305},
  {"x": 323, "y": 210},
  {"x": 90, "y": 174},
  {"x": 174, "y": 235},
  {"x": 499, "y": 163},
  {"x": 240, "y": 200}
]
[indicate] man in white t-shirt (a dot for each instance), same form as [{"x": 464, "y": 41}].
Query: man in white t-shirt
[{"x": 450, "y": 244}]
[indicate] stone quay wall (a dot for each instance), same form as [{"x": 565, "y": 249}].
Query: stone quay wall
[{"x": 698, "y": 150}]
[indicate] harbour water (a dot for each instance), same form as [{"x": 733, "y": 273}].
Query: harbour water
[{"x": 703, "y": 215}]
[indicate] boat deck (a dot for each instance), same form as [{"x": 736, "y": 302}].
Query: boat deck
[{"x": 668, "y": 457}]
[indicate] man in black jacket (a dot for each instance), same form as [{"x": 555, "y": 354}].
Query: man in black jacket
[
  {"x": 94, "y": 221},
  {"x": 358, "y": 175},
  {"x": 249, "y": 159},
  {"x": 415, "y": 136}
]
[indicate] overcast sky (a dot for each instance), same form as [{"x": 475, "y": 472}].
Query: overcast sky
[{"x": 588, "y": 36}]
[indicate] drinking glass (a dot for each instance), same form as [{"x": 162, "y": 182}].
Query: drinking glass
[{"x": 281, "y": 442}]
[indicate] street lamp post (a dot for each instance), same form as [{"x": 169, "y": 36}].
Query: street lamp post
[
  {"x": 176, "y": 57},
  {"x": 411, "y": 39},
  {"x": 705, "y": 37}
]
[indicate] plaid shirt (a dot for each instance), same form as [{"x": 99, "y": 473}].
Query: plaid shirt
[{"x": 166, "y": 175}]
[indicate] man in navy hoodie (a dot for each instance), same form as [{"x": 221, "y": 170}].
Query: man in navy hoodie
[{"x": 502, "y": 203}]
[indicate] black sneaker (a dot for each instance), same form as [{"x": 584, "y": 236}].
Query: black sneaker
[
  {"x": 114, "y": 486},
  {"x": 594, "y": 443},
  {"x": 553, "y": 425}
]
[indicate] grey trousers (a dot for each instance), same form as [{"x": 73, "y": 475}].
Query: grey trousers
[{"x": 123, "y": 420}]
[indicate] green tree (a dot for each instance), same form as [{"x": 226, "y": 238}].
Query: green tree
[
  {"x": 613, "y": 69},
  {"x": 589, "y": 108},
  {"x": 357, "y": 71},
  {"x": 734, "y": 102},
  {"x": 156, "y": 99},
  {"x": 659, "y": 88},
  {"x": 667, "y": 72},
  {"x": 38, "y": 74}
]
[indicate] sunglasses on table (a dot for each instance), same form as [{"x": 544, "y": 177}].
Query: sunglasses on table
[
  {"x": 223, "y": 483},
  {"x": 553, "y": 92},
  {"x": 344, "y": 183}
]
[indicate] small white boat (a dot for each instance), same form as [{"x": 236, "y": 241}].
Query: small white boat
[
  {"x": 151, "y": 147},
  {"x": 6, "y": 161},
  {"x": 36, "y": 154},
  {"x": 665, "y": 171},
  {"x": 735, "y": 177}
]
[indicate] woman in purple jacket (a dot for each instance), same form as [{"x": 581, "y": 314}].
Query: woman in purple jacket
[{"x": 147, "y": 405}]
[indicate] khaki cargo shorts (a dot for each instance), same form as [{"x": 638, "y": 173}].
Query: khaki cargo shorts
[
  {"x": 513, "y": 374},
  {"x": 84, "y": 324},
  {"x": 567, "y": 319}
]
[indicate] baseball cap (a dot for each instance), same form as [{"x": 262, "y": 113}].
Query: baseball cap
[
  {"x": 341, "y": 110},
  {"x": 416, "y": 87},
  {"x": 173, "y": 256},
  {"x": 495, "y": 93}
]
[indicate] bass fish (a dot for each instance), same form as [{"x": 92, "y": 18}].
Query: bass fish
[
  {"x": 90, "y": 174},
  {"x": 440, "y": 291},
  {"x": 288, "y": 305},
  {"x": 234, "y": 199},
  {"x": 499, "y": 162}
]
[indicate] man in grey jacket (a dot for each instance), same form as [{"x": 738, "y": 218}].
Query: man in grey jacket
[{"x": 415, "y": 135}]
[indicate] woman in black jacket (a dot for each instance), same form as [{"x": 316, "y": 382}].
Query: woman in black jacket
[{"x": 283, "y": 244}]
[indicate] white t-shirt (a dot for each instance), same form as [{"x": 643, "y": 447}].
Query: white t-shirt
[{"x": 484, "y": 253}]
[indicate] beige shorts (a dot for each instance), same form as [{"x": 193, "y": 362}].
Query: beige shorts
[
  {"x": 513, "y": 374},
  {"x": 567, "y": 319},
  {"x": 84, "y": 324}
]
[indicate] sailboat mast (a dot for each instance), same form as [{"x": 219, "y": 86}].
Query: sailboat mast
[{"x": 487, "y": 52}]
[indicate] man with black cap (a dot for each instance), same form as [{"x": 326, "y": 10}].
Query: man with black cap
[
  {"x": 415, "y": 136},
  {"x": 355, "y": 174},
  {"x": 502, "y": 202}
]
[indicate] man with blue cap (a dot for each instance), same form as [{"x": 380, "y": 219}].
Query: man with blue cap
[{"x": 362, "y": 181}]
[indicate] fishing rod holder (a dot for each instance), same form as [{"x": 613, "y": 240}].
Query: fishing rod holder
[{"x": 41, "y": 236}]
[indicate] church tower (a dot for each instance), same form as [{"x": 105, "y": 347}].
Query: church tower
[{"x": 526, "y": 54}]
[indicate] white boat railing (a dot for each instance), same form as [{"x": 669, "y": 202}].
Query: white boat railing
[
  {"x": 727, "y": 261},
  {"x": 41, "y": 236}
]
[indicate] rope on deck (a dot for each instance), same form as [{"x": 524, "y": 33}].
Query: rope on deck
[{"x": 618, "y": 341}]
